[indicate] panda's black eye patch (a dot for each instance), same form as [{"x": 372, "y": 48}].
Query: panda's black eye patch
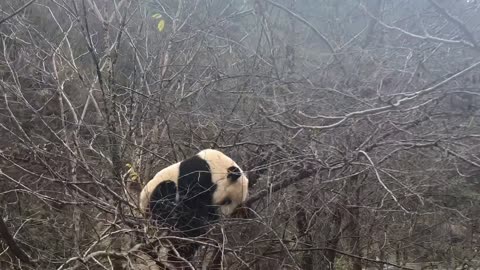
[{"x": 233, "y": 173}]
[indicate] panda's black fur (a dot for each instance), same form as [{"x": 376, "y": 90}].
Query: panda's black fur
[
  {"x": 192, "y": 212},
  {"x": 187, "y": 204}
]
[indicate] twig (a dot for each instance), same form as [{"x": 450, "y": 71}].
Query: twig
[
  {"x": 102, "y": 253},
  {"x": 425, "y": 37},
  {"x": 380, "y": 180},
  {"x": 313, "y": 28},
  {"x": 281, "y": 185},
  {"x": 17, "y": 11},
  {"x": 12, "y": 245},
  {"x": 407, "y": 97},
  {"x": 455, "y": 21},
  {"x": 345, "y": 254}
]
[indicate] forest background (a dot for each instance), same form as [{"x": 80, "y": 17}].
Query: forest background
[{"x": 356, "y": 121}]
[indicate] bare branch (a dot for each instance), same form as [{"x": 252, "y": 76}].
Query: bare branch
[
  {"x": 426, "y": 37},
  {"x": 381, "y": 181},
  {"x": 17, "y": 11},
  {"x": 12, "y": 245},
  {"x": 314, "y": 29},
  {"x": 407, "y": 98},
  {"x": 455, "y": 21}
]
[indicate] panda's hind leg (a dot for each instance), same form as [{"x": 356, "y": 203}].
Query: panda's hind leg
[{"x": 163, "y": 203}]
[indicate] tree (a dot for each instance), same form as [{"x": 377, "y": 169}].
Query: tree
[{"x": 357, "y": 122}]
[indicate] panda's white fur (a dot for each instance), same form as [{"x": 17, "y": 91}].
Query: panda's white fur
[
  {"x": 218, "y": 163},
  {"x": 169, "y": 173},
  {"x": 237, "y": 191}
]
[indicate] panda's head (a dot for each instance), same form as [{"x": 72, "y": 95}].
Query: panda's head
[{"x": 230, "y": 180}]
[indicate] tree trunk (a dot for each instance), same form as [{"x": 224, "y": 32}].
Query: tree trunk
[
  {"x": 302, "y": 228},
  {"x": 327, "y": 258},
  {"x": 354, "y": 225}
]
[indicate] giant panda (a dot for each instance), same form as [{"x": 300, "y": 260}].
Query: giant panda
[{"x": 192, "y": 194}]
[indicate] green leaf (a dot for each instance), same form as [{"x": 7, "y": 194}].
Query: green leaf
[
  {"x": 161, "y": 25},
  {"x": 157, "y": 16}
]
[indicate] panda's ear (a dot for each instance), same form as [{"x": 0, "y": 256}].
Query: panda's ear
[{"x": 233, "y": 173}]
